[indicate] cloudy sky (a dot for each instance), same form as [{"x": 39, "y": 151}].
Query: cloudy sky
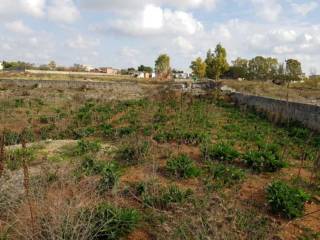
[{"x": 124, "y": 33}]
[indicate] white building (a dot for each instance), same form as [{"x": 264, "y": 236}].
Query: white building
[{"x": 1, "y": 66}]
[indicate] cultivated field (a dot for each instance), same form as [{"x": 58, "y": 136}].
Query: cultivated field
[{"x": 152, "y": 166}]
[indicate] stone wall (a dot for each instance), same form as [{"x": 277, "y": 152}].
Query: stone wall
[{"x": 279, "y": 110}]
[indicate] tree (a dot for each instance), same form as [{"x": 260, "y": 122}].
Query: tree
[
  {"x": 217, "y": 63},
  {"x": 198, "y": 67},
  {"x": 162, "y": 66},
  {"x": 293, "y": 69},
  {"x": 146, "y": 69}
]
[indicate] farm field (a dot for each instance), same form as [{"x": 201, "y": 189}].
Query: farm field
[{"x": 152, "y": 166}]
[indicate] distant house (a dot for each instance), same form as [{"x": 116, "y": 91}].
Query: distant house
[
  {"x": 107, "y": 70},
  {"x": 181, "y": 75},
  {"x": 88, "y": 68},
  {"x": 1, "y": 66},
  {"x": 144, "y": 75}
]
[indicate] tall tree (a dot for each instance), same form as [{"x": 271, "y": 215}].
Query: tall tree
[
  {"x": 143, "y": 68},
  {"x": 198, "y": 67},
  {"x": 293, "y": 69},
  {"x": 162, "y": 66},
  {"x": 217, "y": 63}
]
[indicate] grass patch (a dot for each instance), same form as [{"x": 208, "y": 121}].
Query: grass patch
[
  {"x": 285, "y": 200},
  {"x": 220, "y": 152},
  {"x": 182, "y": 166}
]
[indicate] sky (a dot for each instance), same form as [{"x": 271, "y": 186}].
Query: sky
[{"x": 127, "y": 33}]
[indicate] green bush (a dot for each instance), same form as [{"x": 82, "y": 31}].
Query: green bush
[
  {"x": 89, "y": 166},
  {"x": 220, "y": 152},
  {"x": 109, "y": 177},
  {"x": 132, "y": 154},
  {"x": 286, "y": 200},
  {"x": 153, "y": 195},
  {"x": 85, "y": 146},
  {"x": 263, "y": 161},
  {"x": 11, "y": 138},
  {"x": 108, "y": 222},
  {"x": 182, "y": 166},
  {"x": 225, "y": 176}
]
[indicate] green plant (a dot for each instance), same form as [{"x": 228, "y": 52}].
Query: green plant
[
  {"x": 132, "y": 154},
  {"x": 109, "y": 177},
  {"x": 14, "y": 158},
  {"x": 153, "y": 195},
  {"x": 108, "y": 222},
  {"x": 11, "y": 138},
  {"x": 182, "y": 166},
  {"x": 182, "y": 136},
  {"x": 263, "y": 161},
  {"x": 286, "y": 200},
  {"x": 85, "y": 146},
  {"x": 220, "y": 152},
  {"x": 225, "y": 176}
]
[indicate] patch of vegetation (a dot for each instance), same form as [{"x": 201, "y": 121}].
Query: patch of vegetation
[
  {"x": 182, "y": 166},
  {"x": 309, "y": 234},
  {"x": 132, "y": 154},
  {"x": 263, "y": 161},
  {"x": 221, "y": 152},
  {"x": 181, "y": 136},
  {"x": 109, "y": 177},
  {"x": 254, "y": 225},
  {"x": 224, "y": 175},
  {"x": 15, "y": 158},
  {"x": 108, "y": 222},
  {"x": 285, "y": 200},
  {"x": 85, "y": 146},
  {"x": 155, "y": 196}
]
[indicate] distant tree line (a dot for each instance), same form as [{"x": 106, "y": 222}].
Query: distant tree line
[{"x": 261, "y": 68}]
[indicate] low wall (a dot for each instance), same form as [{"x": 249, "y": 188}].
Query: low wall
[
  {"x": 67, "y": 73},
  {"x": 279, "y": 110}
]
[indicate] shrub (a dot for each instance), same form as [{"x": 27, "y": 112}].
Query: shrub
[
  {"x": 220, "y": 151},
  {"x": 11, "y": 138},
  {"x": 286, "y": 200},
  {"x": 89, "y": 166},
  {"x": 182, "y": 166},
  {"x": 14, "y": 158},
  {"x": 132, "y": 154},
  {"x": 263, "y": 161},
  {"x": 153, "y": 195},
  {"x": 109, "y": 177},
  {"x": 107, "y": 130},
  {"x": 225, "y": 176},
  {"x": 108, "y": 222},
  {"x": 85, "y": 146}
]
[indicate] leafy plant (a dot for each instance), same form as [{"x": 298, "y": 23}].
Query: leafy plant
[
  {"x": 182, "y": 136},
  {"x": 109, "y": 177},
  {"x": 132, "y": 154},
  {"x": 220, "y": 152},
  {"x": 153, "y": 195},
  {"x": 263, "y": 161},
  {"x": 182, "y": 166},
  {"x": 225, "y": 176},
  {"x": 85, "y": 146},
  {"x": 286, "y": 200},
  {"x": 14, "y": 158},
  {"x": 108, "y": 222}
]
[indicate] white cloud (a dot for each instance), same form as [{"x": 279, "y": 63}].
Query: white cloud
[
  {"x": 81, "y": 42},
  {"x": 124, "y": 5},
  {"x": 34, "y": 7},
  {"x": 153, "y": 20},
  {"x": 183, "y": 44},
  {"x": 64, "y": 11},
  {"x": 304, "y": 8},
  {"x": 269, "y": 10},
  {"x": 18, "y": 27},
  {"x": 10, "y": 8}
]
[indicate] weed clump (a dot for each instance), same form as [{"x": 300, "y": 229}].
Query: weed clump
[
  {"x": 263, "y": 161},
  {"x": 108, "y": 222},
  {"x": 182, "y": 166},
  {"x": 109, "y": 177},
  {"x": 286, "y": 200},
  {"x": 182, "y": 136},
  {"x": 155, "y": 196},
  {"x": 225, "y": 176},
  {"x": 85, "y": 146},
  {"x": 132, "y": 154},
  {"x": 221, "y": 152}
]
